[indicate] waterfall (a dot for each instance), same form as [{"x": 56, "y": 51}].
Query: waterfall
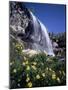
[
  {"x": 41, "y": 37},
  {"x": 48, "y": 43}
]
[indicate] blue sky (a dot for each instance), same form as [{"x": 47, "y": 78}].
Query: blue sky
[{"x": 51, "y": 15}]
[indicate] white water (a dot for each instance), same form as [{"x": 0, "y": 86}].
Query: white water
[
  {"x": 48, "y": 47},
  {"x": 41, "y": 36}
]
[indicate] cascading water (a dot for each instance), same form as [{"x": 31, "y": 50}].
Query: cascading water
[
  {"x": 41, "y": 37},
  {"x": 48, "y": 47}
]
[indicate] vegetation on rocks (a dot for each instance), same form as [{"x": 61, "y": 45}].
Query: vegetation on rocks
[{"x": 37, "y": 71}]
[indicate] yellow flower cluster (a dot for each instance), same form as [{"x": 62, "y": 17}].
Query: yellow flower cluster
[
  {"x": 29, "y": 84},
  {"x": 11, "y": 63},
  {"x": 58, "y": 79},
  {"x": 18, "y": 46},
  {"x": 63, "y": 73},
  {"x": 34, "y": 67},
  {"x": 53, "y": 76},
  {"x": 25, "y": 63},
  {"x": 34, "y": 63},
  {"x": 27, "y": 79},
  {"x": 38, "y": 76},
  {"x": 14, "y": 70},
  {"x": 50, "y": 69},
  {"x": 28, "y": 67},
  {"x": 43, "y": 74}
]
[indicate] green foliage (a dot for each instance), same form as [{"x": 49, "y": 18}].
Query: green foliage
[
  {"x": 60, "y": 38},
  {"x": 36, "y": 71}
]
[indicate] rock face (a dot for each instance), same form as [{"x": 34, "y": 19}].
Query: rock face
[
  {"x": 18, "y": 18},
  {"x": 19, "y": 22},
  {"x": 25, "y": 27}
]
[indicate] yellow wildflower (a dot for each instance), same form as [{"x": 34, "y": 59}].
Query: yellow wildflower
[
  {"x": 23, "y": 63},
  {"x": 11, "y": 63},
  {"x": 43, "y": 74},
  {"x": 50, "y": 69},
  {"x": 26, "y": 62},
  {"x": 14, "y": 71},
  {"x": 18, "y": 45},
  {"x": 53, "y": 71},
  {"x": 27, "y": 79},
  {"x": 28, "y": 68},
  {"x": 58, "y": 79},
  {"x": 30, "y": 84},
  {"x": 34, "y": 63},
  {"x": 53, "y": 76},
  {"x": 63, "y": 73},
  {"x": 38, "y": 76},
  {"x": 33, "y": 67},
  {"x": 18, "y": 85}
]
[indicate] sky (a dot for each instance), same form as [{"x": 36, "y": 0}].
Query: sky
[{"x": 51, "y": 15}]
